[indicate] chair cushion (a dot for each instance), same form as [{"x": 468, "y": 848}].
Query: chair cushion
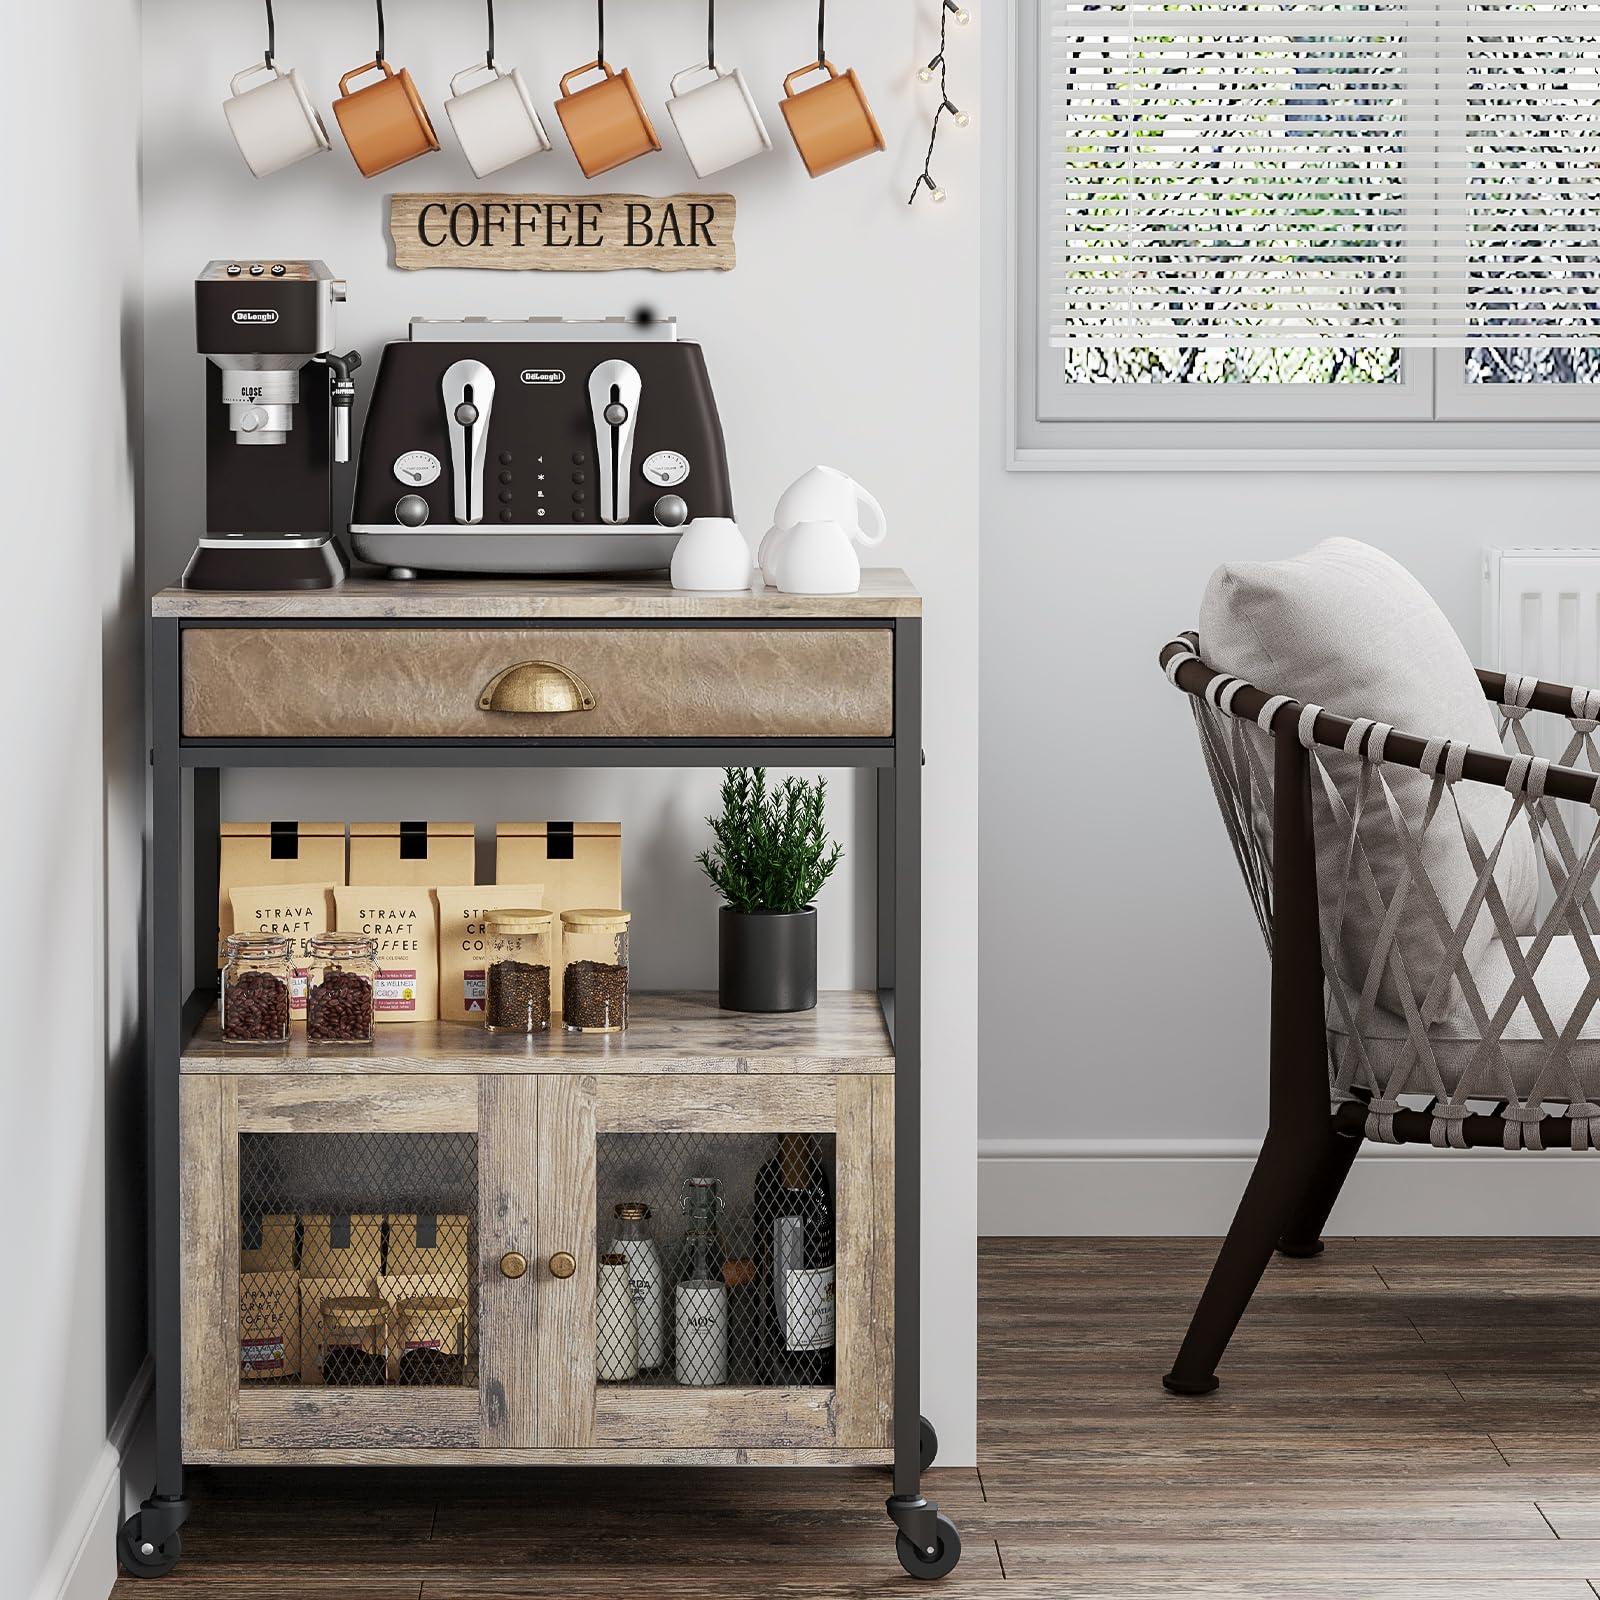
[
  {"x": 1348, "y": 628},
  {"x": 1514, "y": 1068}
]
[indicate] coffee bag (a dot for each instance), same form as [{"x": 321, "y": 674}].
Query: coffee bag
[
  {"x": 422, "y": 853},
  {"x": 404, "y": 920},
  {"x": 299, "y": 910},
  {"x": 274, "y": 852},
  {"x": 463, "y": 943}
]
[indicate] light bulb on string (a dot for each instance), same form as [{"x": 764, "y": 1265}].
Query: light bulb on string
[
  {"x": 957, "y": 115},
  {"x": 937, "y": 196},
  {"x": 962, "y": 16},
  {"x": 946, "y": 107}
]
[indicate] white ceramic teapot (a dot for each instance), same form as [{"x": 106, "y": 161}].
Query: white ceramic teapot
[{"x": 824, "y": 494}]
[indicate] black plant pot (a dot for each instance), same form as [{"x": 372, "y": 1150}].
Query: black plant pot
[{"x": 767, "y": 960}]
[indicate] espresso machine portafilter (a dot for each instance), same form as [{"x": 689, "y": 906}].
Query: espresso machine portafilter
[{"x": 277, "y": 417}]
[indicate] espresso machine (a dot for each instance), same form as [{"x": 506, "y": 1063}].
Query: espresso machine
[
  {"x": 277, "y": 415},
  {"x": 544, "y": 445}
]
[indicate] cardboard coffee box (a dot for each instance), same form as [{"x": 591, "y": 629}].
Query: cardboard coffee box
[
  {"x": 347, "y": 1247},
  {"x": 275, "y": 852},
  {"x": 429, "y": 1252},
  {"x": 269, "y": 1326},
  {"x": 579, "y": 864},
  {"x": 266, "y": 1243},
  {"x": 463, "y": 944},
  {"x": 404, "y": 920},
  {"x": 426, "y": 853}
]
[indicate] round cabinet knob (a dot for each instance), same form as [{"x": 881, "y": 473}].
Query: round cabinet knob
[
  {"x": 411, "y": 510},
  {"x": 615, "y": 414},
  {"x": 513, "y": 1264},
  {"x": 563, "y": 1264},
  {"x": 672, "y": 511},
  {"x": 466, "y": 413}
]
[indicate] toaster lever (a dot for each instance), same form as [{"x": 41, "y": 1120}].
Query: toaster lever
[
  {"x": 614, "y": 390},
  {"x": 468, "y": 394}
]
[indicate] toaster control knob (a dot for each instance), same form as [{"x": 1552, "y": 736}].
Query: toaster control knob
[
  {"x": 466, "y": 413},
  {"x": 411, "y": 510},
  {"x": 615, "y": 414},
  {"x": 671, "y": 511}
]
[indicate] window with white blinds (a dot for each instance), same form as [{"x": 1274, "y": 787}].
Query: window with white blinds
[{"x": 1294, "y": 175}]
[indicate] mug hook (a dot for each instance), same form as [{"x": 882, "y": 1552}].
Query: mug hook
[
  {"x": 379, "y": 56},
  {"x": 822, "y": 23},
  {"x": 489, "y": 56},
  {"x": 711, "y": 34},
  {"x": 600, "y": 30},
  {"x": 272, "y": 35}
]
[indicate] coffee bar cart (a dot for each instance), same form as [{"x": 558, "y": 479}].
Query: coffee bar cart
[{"x": 524, "y": 1143}]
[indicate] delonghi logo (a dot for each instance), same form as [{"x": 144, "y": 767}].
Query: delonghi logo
[
  {"x": 543, "y": 375},
  {"x": 251, "y": 318}
]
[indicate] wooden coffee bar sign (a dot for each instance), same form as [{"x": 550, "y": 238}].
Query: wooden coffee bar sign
[{"x": 563, "y": 232}]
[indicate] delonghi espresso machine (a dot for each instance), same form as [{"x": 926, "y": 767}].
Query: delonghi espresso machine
[
  {"x": 544, "y": 445},
  {"x": 275, "y": 393}
]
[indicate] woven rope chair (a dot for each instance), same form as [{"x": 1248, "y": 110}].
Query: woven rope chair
[{"x": 1483, "y": 1056}]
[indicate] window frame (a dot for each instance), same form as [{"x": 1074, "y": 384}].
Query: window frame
[{"x": 1432, "y": 418}]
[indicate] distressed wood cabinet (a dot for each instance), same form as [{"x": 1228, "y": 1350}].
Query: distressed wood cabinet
[{"x": 457, "y": 1191}]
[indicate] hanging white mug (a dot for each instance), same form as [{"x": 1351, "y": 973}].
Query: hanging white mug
[
  {"x": 718, "y": 121},
  {"x": 818, "y": 558},
  {"x": 824, "y": 494},
  {"x": 274, "y": 124},
  {"x": 495, "y": 121}
]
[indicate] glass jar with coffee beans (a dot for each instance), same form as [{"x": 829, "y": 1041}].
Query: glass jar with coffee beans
[
  {"x": 255, "y": 988},
  {"x": 518, "y": 986},
  {"x": 341, "y": 968},
  {"x": 594, "y": 983}
]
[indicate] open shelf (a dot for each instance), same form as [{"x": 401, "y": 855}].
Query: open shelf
[{"x": 667, "y": 1032}]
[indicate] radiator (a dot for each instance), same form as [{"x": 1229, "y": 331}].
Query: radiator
[{"x": 1541, "y": 613}]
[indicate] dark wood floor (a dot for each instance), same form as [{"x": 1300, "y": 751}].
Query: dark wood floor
[{"x": 1408, "y": 1418}]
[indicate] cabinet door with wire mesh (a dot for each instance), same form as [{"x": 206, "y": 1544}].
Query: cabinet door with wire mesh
[
  {"x": 354, "y": 1273},
  {"x": 722, "y": 1252}
]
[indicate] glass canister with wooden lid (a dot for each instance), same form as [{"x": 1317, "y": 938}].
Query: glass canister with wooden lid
[
  {"x": 517, "y": 998},
  {"x": 594, "y": 984}
]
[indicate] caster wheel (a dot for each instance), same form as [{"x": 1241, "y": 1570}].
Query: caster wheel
[
  {"x": 140, "y": 1561},
  {"x": 928, "y": 1445},
  {"x": 946, "y": 1552}
]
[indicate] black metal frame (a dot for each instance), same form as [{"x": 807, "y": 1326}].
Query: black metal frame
[
  {"x": 1310, "y": 1147},
  {"x": 195, "y": 765}
]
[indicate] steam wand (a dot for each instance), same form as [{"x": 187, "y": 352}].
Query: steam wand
[{"x": 343, "y": 395}]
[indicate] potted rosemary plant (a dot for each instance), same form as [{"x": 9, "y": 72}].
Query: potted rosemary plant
[{"x": 770, "y": 855}]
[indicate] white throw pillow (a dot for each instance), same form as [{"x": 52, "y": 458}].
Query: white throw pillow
[{"x": 1348, "y": 628}]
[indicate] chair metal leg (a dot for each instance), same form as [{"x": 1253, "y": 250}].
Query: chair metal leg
[
  {"x": 1275, "y": 1193},
  {"x": 1303, "y": 1236}
]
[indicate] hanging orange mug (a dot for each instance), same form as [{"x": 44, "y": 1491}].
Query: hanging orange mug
[
  {"x": 606, "y": 122},
  {"x": 831, "y": 122},
  {"x": 385, "y": 122}
]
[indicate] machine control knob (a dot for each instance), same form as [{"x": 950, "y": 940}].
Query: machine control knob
[
  {"x": 336, "y": 290},
  {"x": 278, "y": 269},
  {"x": 256, "y": 269},
  {"x": 411, "y": 510},
  {"x": 672, "y": 511},
  {"x": 251, "y": 418},
  {"x": 466, "y": 413},
  {"x": 615, "y": 414},
  {"x": 234, "y": 269}
]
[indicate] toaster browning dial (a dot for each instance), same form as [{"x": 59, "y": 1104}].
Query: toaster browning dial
[{"x": 667, "y": 468}]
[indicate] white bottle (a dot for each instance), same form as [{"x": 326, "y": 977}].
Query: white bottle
[
  {"x": 616, "y": 1324},
  {"x": 646, "y": 1276},
  {"x": 702, "y": 1329}
]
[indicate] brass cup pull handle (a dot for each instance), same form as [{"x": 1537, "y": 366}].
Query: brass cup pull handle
[
  {"x": 563, "y": 1264},
  {"x": 531, "y": 686},
  {"x": 513, "y": 1264}
]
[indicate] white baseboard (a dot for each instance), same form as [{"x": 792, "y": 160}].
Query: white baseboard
[
  {"x": 83, "y": 1562},
  {"x": 1178, "y": 1187}
]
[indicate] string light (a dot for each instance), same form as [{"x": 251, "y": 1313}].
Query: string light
[{"x": 946, "y": 108}]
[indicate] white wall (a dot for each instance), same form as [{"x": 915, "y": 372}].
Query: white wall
[
  {"x": 1123, "y": 1013},
  {"x": 846, "y": 334},
  {"x": 72, "y": 806}
]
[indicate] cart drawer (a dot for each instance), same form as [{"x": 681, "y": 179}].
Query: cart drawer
[{"x": 486, "y": 683}]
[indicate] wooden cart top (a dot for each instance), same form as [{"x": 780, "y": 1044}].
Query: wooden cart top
[{"x": 884, "y": 592}]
